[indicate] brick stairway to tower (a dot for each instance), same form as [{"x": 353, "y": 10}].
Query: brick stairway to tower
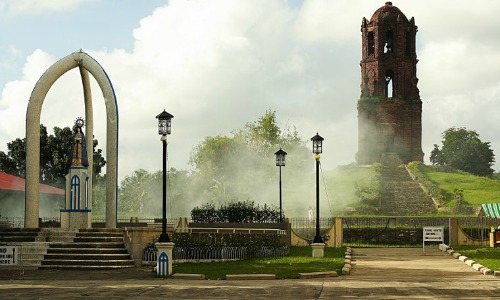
[{"x": 400, "y": 195}]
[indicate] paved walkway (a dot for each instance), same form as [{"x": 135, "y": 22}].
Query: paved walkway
[{"x": 384, "y": 273}]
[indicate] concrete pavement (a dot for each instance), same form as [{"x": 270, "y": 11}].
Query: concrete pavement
[{"x": 382, "y": 273}]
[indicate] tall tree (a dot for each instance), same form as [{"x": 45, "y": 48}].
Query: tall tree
[
  {"x": 463, "y": 149},
  {"x": 53, "y": 156},
  {"x": 236, "y": 167}
]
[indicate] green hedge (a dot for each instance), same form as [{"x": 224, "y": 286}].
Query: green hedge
[
  {"x": 253, "y": 240},
  {"x": 237, "y": 212}
]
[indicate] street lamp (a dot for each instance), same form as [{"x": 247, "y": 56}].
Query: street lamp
[
  {"x": 164, "y": 128},
  {"x": 317, "y": 150},
  {"x": 280, "y": 162}
]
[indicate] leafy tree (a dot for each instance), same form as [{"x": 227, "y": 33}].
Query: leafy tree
[
  {"x": 54, "y": 151},
  {"x": 136, "y": 190},
  {"x": 227, "y": 169},
  {"x": 236, "y": 167},
  {"x": 99, "y": 195},
  {"x": 462, "y": 149},
  {"x": 141, "y": 194}
]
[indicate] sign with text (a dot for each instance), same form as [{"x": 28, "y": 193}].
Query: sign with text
[
  {"x": 433, "y": 234},
  {"x": 8, "y": 255}
]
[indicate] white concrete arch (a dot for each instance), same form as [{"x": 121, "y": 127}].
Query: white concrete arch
[{"x": 86, "y": 64}]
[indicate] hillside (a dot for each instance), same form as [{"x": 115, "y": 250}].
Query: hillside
[
  {"x": 361, "y": 190},
  {"x": 456, "y": 191}
]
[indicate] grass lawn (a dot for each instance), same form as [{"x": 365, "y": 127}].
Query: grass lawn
[
  {"x": 488, "y": 257},
  {"x": 298, "y": 261},
  {"x": 476, "y": 190}
]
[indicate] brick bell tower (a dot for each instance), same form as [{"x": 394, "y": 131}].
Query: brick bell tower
[{"x": 389, "y": 109}]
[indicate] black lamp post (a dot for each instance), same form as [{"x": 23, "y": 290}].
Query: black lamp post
[
  {"x": 164, "y": 128},
  {"x": 317, "y": 149},
  {"x": 280, "y": 162}
]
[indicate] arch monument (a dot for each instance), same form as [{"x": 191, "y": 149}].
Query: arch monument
[{"x": 86, "y": 65}]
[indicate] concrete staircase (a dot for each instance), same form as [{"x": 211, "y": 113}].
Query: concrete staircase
[
  {"x": 30, "y": 250},
  {"x": 91, "y": 249},
  {"x": 399, "y": 194},
  {"x": 18, "y": 235}
]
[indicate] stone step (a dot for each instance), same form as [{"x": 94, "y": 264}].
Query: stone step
[
  {"x": 99, "y": 234},
  {"x": 82, "y": 267},
  {"x": 401, "y": 195},
  {"x": 92, "y": 239},
  {"x": 87, "y": 250},
  {"x": 86, "y": 256},
  {"x": 19, "y": 230},
  {"x": 17, "y": 239},
  {"x": 33, "y": 256},
  {"x": 18, "y": 233},
  {"x": 87, "y": 262},
  {"x": 89, "y": 245},
  {"x": 105, "y": 230},
  {"x": 90, "y": 249}
]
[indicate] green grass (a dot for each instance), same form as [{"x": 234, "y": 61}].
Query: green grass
[
  {"x": 298, "y": 261},
  {"x": 476, "y": 190},
  {"x": 488, "y": 257}
]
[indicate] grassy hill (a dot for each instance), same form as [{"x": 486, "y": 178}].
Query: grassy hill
[
  {"x": 355, "y": 190},
  {"x": 454, "y": 188}
]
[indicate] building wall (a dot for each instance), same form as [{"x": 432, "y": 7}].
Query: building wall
[{"x": 389, "y": 114}]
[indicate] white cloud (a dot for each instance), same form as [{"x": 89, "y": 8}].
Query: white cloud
[
  {"x": 10, "y": 8},
  {"x": 216, "y": 65}
]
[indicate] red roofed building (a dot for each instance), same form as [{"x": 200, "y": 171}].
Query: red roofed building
[
  {"x": 12, "y": 197},
  {"x": 14, "y": 183}
]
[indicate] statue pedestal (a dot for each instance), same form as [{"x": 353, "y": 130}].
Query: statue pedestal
[
  {"x": 164, "y": 258},
  {"x": 75, "y": 219},
  {"x": 318, "y": 250}
]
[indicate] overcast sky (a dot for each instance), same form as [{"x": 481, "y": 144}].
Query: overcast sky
[{"x": 216, "y": 65}]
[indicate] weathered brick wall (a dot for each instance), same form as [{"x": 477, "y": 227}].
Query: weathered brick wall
[
  {"x": 378, "y": 122},
  {"x": 389, "y": 122}
]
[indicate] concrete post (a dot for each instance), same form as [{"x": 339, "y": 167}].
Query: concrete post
[
  {"x": 164, "y": 268},
  {"x": 318, "y": 250},
  {"x": 339, "y": 232},
  {"x": 453, "y": 232}
]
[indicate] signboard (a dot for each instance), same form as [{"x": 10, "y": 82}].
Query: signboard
[
  {"x": 8, "y": 255},
  {"x": 433, "y": 234}
]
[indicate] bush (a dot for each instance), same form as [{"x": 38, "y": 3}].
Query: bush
[
  {"x": 256, "y": 240},
  {"x": 236, "y": 212}
]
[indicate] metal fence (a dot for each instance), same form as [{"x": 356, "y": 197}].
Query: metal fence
[
  {"x": 392, "y": 231},
  {"x": 478, "y": 228},
  {"x": 216, "y": 253},
  {"x": 18, "y": 222},
  {"x": 388, "y": 231},
  {"x": 11, "y": 222},
  {"x": 306, "y": 227}
]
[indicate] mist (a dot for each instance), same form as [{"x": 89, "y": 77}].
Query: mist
[{"x": 242, "y": 167}]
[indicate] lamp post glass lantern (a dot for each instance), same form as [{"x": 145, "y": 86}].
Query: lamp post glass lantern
[
  {"x": 164, "y": 129},
  {"x": 317, "y": 144},
  {"x": 164, "y": 123},
  {"x": 317, "y": 149},
  {"x": 280, "y": 162}
]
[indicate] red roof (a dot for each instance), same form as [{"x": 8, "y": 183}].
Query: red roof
[{"x": 14, "y": 183}]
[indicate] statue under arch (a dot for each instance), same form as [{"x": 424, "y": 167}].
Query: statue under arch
[{"x": 86, "y": 65}]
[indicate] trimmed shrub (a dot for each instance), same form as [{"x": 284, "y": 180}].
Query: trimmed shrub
[{"x": 236, "y": 212}]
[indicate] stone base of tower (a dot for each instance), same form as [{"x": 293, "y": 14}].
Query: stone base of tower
[
  {"x": 72, "y": 219},
  {"x": 389, "y": 127}
]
